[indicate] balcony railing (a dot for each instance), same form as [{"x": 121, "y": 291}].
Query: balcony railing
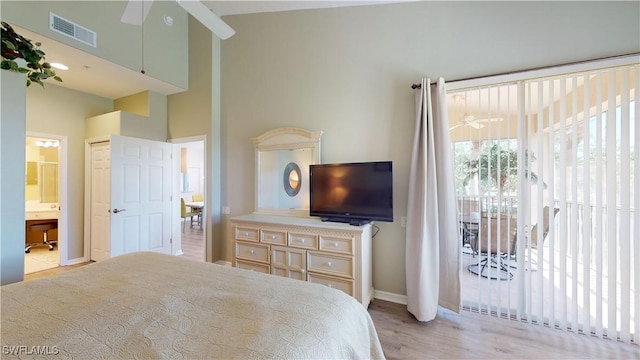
[{"x": 580, "y": 261}]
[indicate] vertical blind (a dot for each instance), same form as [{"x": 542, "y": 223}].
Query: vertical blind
[{"x": 574, "y": 193}]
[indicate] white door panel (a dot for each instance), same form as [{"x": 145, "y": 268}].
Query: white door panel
[
  {"x": 140, "y": 195},
  {"x": 100, "y": 201}
]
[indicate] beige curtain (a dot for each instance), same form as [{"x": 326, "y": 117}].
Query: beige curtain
[{"x": 433, "y": 245}]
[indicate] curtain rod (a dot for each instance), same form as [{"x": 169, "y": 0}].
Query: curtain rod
[{"x": 418, "y": 86}]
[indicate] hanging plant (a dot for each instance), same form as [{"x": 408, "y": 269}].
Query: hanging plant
[{"x": 15, "y": 47}]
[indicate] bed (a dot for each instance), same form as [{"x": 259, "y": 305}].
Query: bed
[{"x": 150, "y": 305}]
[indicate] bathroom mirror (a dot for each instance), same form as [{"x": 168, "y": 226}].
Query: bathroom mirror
[
  {"x": 283, "y": 157},
  {"x": 41, "y": 177}
]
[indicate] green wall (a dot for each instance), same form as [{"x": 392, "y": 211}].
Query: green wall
[
  {"x": 348, "y": 72},
  {"x": 117, "y": 42},
  {"x": 60, "y": 111},
  {"x": 12, "y": 170},
  {"x": 194, "y": 113}
]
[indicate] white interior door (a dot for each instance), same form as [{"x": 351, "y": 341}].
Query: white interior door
[
  {"x": 140, "y": 195},
  {"x": 100, "y": 201}
]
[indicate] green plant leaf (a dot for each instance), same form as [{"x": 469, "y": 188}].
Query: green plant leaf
[
  {"x": 16, "y": 46},
  {"x": 8, "y": 44}
]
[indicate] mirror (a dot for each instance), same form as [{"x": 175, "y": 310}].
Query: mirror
[
  {"x": 283, "y": 157},
  {"x": 32, "y": 173},
  {"x": 41, "y": 177}
]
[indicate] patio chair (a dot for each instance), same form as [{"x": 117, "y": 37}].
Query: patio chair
[
  {"x": 494, "y": 263},
  {"x": 534, "y": 236},
  {"x": 467, "y": 208},
  {"x": 545, "y": 227}
]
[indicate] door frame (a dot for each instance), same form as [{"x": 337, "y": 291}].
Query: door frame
[
  {"x": 63, "y": 193},
  {"x": 87, "y": 191},
  {"x": 87, "y": 194},
  {"x": 177, "y": 229}
]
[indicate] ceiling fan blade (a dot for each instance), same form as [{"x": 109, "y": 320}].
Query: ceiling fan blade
[
  {"x": 203, "y": 14},
  {"x": 488, "y": 120},
  {"x": 136, "y": 11}
]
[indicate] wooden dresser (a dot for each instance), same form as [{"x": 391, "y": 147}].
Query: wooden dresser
[{"x": 304, "y": 248}]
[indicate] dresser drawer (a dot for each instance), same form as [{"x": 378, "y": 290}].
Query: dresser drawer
[
  {"x": 253, "y": 252},
  {"x": 334, "y": 244},
  {"x": 284, "y": 257},
  {"x": 262, "y": 268},
  {"x": 330, "y": 264},
  {"x": 332, "y": 282},
  {"x": 303, "y": 241},
  {"x": 273, "y": 237},
  {"x": 291, "y": 274},
  {"x": 247, "y": 233}
]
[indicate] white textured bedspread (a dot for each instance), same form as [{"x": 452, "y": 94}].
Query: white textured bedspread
[{"x": 148, "y": 305}]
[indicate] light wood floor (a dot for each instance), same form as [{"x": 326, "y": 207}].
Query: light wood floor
[
  {"x": 193, "y": 243},
  {"x": 475, "y": 336}
]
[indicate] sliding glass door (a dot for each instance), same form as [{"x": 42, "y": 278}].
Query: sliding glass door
[{"x": 548, "y": 186}]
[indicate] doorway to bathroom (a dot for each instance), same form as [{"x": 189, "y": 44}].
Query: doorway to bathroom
[{"x": 45, "y": 194}]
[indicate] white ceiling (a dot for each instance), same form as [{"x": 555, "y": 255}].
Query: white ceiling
[
  {"x": 97, "y": 76},
  {"x": 222, "y": 8}
]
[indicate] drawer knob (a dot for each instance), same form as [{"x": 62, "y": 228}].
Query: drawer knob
[
  {"x": 329, "y": 264},
  {"x": 273, "y": 237},
  {"x": 251, "y": 251},
  {"x": 303, "y": 271},
  {"x": 246, "y": 234},
  {"x": 335, "y": 244},
  {"x": 302, "y": 241}
]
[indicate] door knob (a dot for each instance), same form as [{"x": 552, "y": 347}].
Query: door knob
[{"x": 115, "y": 211}]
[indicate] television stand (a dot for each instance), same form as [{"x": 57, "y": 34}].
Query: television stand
[{"x": 353, "y": 222}]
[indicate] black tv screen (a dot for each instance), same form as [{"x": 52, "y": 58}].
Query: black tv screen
[{"x": 352, "y": 192}]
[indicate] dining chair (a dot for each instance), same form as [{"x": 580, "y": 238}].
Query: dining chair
[
  {"x": 184, "y": 214},
  {"x": 198, "y": 197}
]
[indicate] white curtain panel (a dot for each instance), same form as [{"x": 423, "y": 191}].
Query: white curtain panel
[{"x": 433, "y": 244}]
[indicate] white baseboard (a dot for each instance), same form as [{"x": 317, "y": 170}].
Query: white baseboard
[{"x": 392, "y": 297}]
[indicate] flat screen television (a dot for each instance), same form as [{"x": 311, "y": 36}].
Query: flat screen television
[{"x": 355, "y": 193}]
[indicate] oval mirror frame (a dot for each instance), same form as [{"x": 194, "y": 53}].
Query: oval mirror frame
[{"x": 292, "y": 179}]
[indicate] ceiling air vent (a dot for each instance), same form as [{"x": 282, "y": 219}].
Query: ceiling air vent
[{"x": 72, "y": 30}]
